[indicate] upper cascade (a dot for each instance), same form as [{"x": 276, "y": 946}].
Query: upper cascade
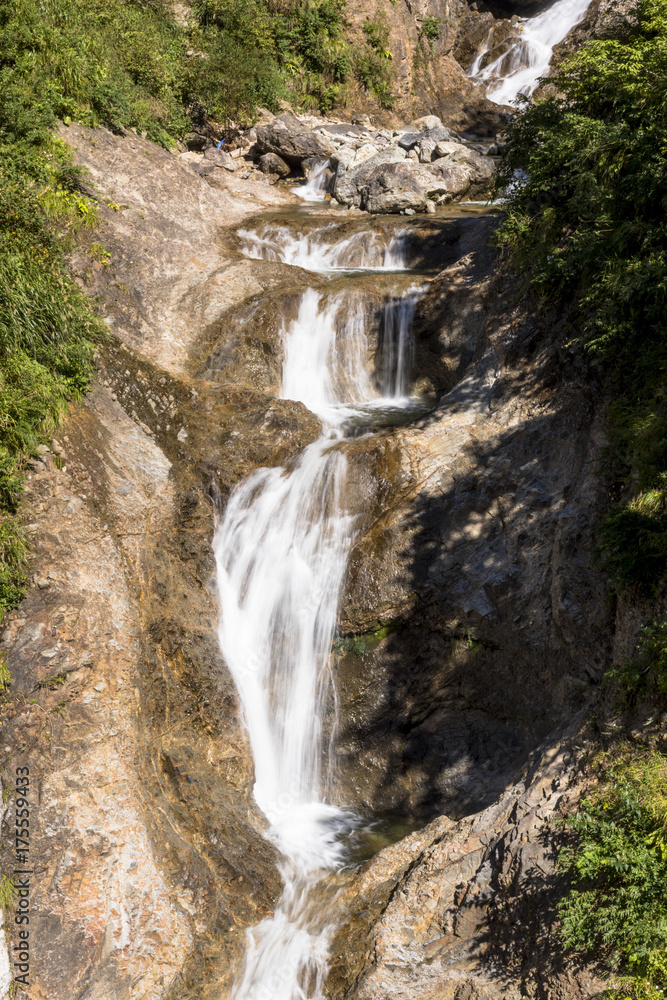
[
  {"x": 517, "y": 70},
  {"x": 319, "y": 250}
]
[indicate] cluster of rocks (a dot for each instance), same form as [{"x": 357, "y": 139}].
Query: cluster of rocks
[{"x": 408, "y": 169}]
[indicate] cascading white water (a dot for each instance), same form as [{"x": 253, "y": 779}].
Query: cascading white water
[
  {"x": 313, "y": 251},
  {"x": 519, "y": 69},
  {"x": 281, "y": 550},
  {"x": 315, "y": 189}
]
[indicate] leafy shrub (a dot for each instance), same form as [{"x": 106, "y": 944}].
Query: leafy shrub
[
  {"x": 431, "y": 30},
  {"x": 372, "y": 63},
  {"x": 646, "y": 674},
  {"x": 587, "y": 177},
  {"x": 616, "y": 907},
  {"x": 302, "y": 43}
]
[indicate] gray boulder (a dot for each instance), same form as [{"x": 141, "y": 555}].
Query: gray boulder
[
  {"x": 410, "y": 139},
  {"x": 214, "y": 157},
  {"x": 351, "y": 177},
  {"x": 271, "y": 163},
  {"x": 426, "y": 150},
  {"x": 456, "y": 154},
  {"x": 426, "y": 123},
  {"x": 394, "y": 187},
  {"x": 292, "y": 141}
]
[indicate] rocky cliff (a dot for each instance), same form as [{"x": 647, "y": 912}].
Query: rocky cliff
[{"x": 473, "y": 630}]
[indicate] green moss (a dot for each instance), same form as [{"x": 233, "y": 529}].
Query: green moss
[
  {"x": 365, "y": 642},
  {"x": 7, "y": 893}
]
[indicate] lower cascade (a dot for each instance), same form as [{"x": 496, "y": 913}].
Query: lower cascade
[{"x": 282, "y": 548}]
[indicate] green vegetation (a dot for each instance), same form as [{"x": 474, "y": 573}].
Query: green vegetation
[
  {"x": 292, "y": 48},
  {"x": 125, "y": 64},
  {"x": 7, "y": 893},
  {"x": 645, "y": 676},
  {"x": 431, "y": 30},
  {"x": 47, "y": 330},
  {"x": 587, "y": 223},
  {"x": 5, "y": 676},
  {"x": 616, "y": 907},
  {"x": 53, "y": 682},
  {"x": 372, "y": 62},
  {"x": 364, "y": 642}
]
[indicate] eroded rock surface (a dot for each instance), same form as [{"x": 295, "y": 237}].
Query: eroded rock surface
[
  {"x": 473, "y": 603},
  {"x": 473, "y": 622},
  {"x": 466, "y": 910}
]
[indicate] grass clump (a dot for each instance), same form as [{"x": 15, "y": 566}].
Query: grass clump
[
  {"x": 372, "y": 60},
  {"x": 7, "y": 893},
  {"x": 587, "y": 222},
  {"x": 431, "y": 30},
  {"x": 616, "y": 906},
  {"x": 5, "y": 676}
]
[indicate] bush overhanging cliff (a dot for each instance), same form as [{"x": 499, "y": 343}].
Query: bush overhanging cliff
[
  {"x": 586, "y": 167},
  {"x": 587, "y": 221}
]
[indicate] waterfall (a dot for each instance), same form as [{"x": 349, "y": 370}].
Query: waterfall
[
  {"x": 317, "y": 251},
  {"x": 519, "y": 69},
  {"x": 315, "y": 189},
  {"x": 281, "y": 550}
]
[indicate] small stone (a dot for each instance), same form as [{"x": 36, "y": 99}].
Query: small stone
[
  {"x": 182, "y": 434},
  {"x": 42, "y": 583},
  {"x": 430, "y": 207},
  {"x": 426, "y": 123},
  {"x": 409, "y": 211},
  {"x": 101, "y": 686},
  {"x": 53, "y": 576},
  {"x": 271, "y": 163}
]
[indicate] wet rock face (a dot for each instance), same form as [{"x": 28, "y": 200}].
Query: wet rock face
[
  {"x": 149, "y": 841},
  {"x": 473, "y": 621},
  {"x": 165, "y": 278},
  {"x": 603, "y": 19},
  {"x": 150, "y": 851},
  {"x": 428, "y": 77},
  {"x": 475, "y": 553}
]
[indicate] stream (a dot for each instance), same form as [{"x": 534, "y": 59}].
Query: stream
[
  {"x": 282, "y": 547},
  {"x": 283, "y": 543}
]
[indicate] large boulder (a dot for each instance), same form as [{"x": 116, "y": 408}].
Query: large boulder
[
  {"x": 388, "y": 181},
  {"x": 216, "y": 157},
  {"x": 290, "y": 139},
  {"x": 354, "y": 167},
  {"x": 394, "y": 187},
  {"x": 456, "y": 154}
]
